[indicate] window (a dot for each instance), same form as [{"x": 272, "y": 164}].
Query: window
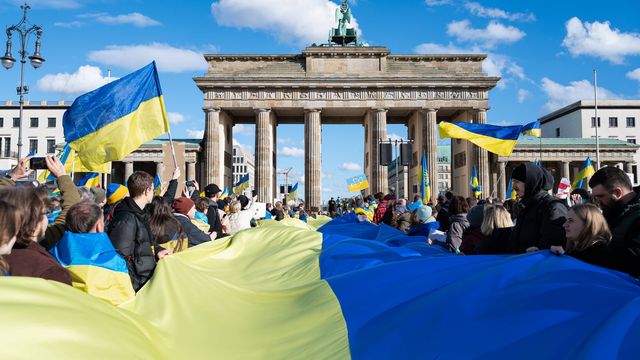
[
  {"x": 33, "y": 145},
  {"x": 16, "y": 122},
  {"x": 7, "y": 147},
  {"x": 593, "y": 122},
  {"x": 51, "y": 122},
  {"x": 34, "y": 122},
  {"x": 557, "y": 132},
  {"x": 613, "y": 122},
  {"x": 1, "y": 122},
  {"x": 631, "y": 141},
  {"x": 234, "y": 152},
  {"x": 51, "y": 146},
  {"x": 631, "y": 122}
]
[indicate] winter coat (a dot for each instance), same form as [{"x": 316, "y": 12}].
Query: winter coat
[
  {"x": 540, "y": 218},
  {"x": 241, "y": 220},
  {"x": 597, "y": 254},
  {"x": 458, "y": 224},
  {"x": 424, "y": 229},
  {"x": 215, "y": 222},
  {"x": 471, "y": 238},
  {"x": 498, "y": 242},
  {"x": 195, "y": 235},
  {"x": 34, "y": 261},
  {"x": 625, "y": 228},
  {"x": 131, "y": 236}
]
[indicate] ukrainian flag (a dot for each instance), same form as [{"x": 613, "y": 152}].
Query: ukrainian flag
[
  {"x": 225, "y": 194},
  {"x": 496, "y": 139},
  {"x": 241, "y": 185},
  {"x": 587, "y": 170},
  {"x": 511, "y": 194},
  {"x": 358, "y": 183},
  {"x": 532, "y": 129},
  {"x": 90, "y": 180},
  {"x": 157, "y": 185},
  {"x": 114, "y": 120},
  {"x": 72, "y": 164},
  {"x": 474, "y": 183},
  {"x": 95, "y": 266},
  {"x": 293, "y": 194},
  {"x": 360, "y": 210},
  {"x": 423, "y": 179},
  {"x": 347, "y": 290}
]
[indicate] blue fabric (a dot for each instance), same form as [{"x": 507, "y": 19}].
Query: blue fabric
[
  {"x": 202, "y": 217},
  {"x": 88, "y": 249},
  {"x": 416, "y": 301},
  {"x": 51, "y": 217},
  {"x": 425, "y": 229},
  {"x": 110, "y": 102},
  {"x": 494, "y": 131}
]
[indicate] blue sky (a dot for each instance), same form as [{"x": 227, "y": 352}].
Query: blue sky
[{"x": 545, "y": 51}]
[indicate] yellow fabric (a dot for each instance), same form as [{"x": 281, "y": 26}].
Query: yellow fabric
[
  {"x": 146, "y": 123},
  {"x": 201, "y": 225},
  {"x": 583, "y": 174},
  {"x": 359, "y": 186},
  {"x": 495, "y": 145},
  {"x": 256, "y": 295},
  {"x": 171, "y": 245},
  {"x": 112, "y": 286},
  {"x": 318, "y": 221}
]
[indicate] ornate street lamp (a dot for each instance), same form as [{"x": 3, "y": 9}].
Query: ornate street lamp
[{"x": 24, "y": 29}]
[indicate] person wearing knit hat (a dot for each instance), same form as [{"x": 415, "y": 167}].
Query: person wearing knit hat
[
  {"x": 115, "y": 193},
  {"x": 540, "y": 220},
  {"x": 422, "y": 223},
  {"x": 100, "y": 195},
  {"x": 185, "y": 211}
]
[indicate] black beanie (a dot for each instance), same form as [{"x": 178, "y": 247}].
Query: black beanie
[{"x": 520, "y": 173}]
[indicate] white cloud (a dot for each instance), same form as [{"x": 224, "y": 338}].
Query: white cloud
[
  {"x": 245, "y": 148},
  {"x": 495, "y": 33},
  {"x": 243, "y": 129},
  {"x": 70, "y": 24},
  {"x": 136, "y": 19},
  {"x": 292, "y": 152},
  {"x": 324, "y": 175},
  {"x": 562, "y": 95},
  {"x": 523, "y": 94},
  {"x": 282, "y": 141},
  {"x": 195, "y": 134},
  {"x": 351, "y": 166},
  {"x": 635, "y": 74},
  {"x": 292, "y": 21},
  {"x": 394, "y": 136},
  {"x": 327, "y": 190},
  {"x": 85, "y": 79},
  {"x": 302, "y": 179},
  {"x": 479, "y": 10},
  {"x": 52, "y": 4},
  {"x": 175, "y": 118},
  {"x": 599, "y": 40},
  {"x": 168, "y": 58}
]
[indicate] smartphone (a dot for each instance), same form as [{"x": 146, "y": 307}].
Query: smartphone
[
  {"x": 37, "y": 163},
  {"x": 189, "y": 182}
]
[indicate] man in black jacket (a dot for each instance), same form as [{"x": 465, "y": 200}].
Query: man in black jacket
[
  {"x": 539, "y": 222},
  {"x": 185, "y": 210},
  {"x": 620, "y": 204},
  {"x": 130, "y": 233},
  {"x": 212, "y": 192}
]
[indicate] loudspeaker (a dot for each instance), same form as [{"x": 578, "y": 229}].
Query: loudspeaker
[
  {"x": 385, "y": 154},
  {"x": 281, "y": 189},
  {"x": 405, "y": 154}
]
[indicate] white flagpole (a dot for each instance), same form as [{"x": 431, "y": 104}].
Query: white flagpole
[{"x": 595, "y": 96}]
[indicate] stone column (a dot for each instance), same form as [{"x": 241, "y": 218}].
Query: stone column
[
  {"x": 377, "y": 127},
  {"x": 565, "y": 170},
  {"x": 264, "y": 166},
  {"x": 128, "y": 170},
  {"x": 628, "y": 167},
  {"x": 313, "y": 159},
  {"x": 159, "y": 169},
  {"x": 191, "y": 171},
  {"x": 482, "y": 158},
  {"x": 212, "y": 156},
  {"x": 502, "y": 184},
  {"x": 430, "y": 141}
]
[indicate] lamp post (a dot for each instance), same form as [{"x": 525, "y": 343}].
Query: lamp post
[{"x": 24, "y": 29}]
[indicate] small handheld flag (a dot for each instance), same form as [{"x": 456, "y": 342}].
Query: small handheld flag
[
  {"x": 564, "y": 188},
  {"x": 511, "y": 194},
  {"x": 586, "y": 171},
  {"x": 157, "y": 185},
  {"x": 474, "y": 183},
  {"x": 532, "y": 129},
  {"x": 357, "y": 183},
  {"x": 425, "y": 186},
  {"x": 241, "y": 185},
  {"x": 293, "y": 194}
]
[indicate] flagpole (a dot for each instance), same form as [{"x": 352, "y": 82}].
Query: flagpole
[{"x": 595, "y": 97}]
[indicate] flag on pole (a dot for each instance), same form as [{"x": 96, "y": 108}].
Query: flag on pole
[
  {"x": 157, "y": 185},
  {"x": 293, "y": 194},
  {"x": 511, "y": 194},
  {"x": 586, "y": 171},
  {"x": 532, "y": 129},
  {"x": 90, "y": 180},
  {"x": 241, "y": 185},
  {"x": 72, "y": 163},
  {"x": 496, "y": 139},
  {"x": 537, "y": 163},
  {"x": 357, "y": 183},
  {"x": 423, "y": 179},
  {"x": 474, "y": 183},
  {"x": 112, "y": 121},
  {"x": 225, "y": 194}
]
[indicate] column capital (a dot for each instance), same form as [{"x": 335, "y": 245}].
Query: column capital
[
  {"x": 261, "y": 109},
  {"x": 430, "y": 109},
  {"x": 209, "y": 109},
  {"x": 312, "y": 110},
  {"x": 379, "y": 109},
  {"x": 481, "y": 109}
]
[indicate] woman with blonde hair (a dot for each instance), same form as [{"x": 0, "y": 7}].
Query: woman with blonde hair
[
  {"x": 588, "y": 235},
  {"x": 496, "y": 228}
]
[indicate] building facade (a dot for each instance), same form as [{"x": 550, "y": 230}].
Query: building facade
[
  {"x": 243, "y": 164},
  {"x": 443, "y": 178},
  {"x": 617, "y": 119}
]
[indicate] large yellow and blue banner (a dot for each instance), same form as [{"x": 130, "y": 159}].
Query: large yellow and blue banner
[
  {"x": 532, "y": 129},
  {"x": 423, "y": 179},
  {"x": 347, "y": 290},
  {"x": 112, "y": 121},
  {"x": 357, "y": 183},
  {"x": 293, "y": 194},
  {"x": 72, "y": 164},
  {"x": 496, "y": 139}
]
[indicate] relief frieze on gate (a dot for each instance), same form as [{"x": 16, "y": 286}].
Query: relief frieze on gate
[{"x": 348, "y": 94}]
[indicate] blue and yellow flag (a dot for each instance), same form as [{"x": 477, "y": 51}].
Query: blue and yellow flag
[
  {"x": 241, "y": 185},
  {"x": 511, "y": 194},
  {"x": 112, "y": 121},
  {"x": 157, "y": 185},
  {"x": 72, "y": 164},
  {"x": 357, "y": 183},
  {"x": 225, "y": 194},
  {"x": 532, "y": 129},
  {"x": 587, "y": 170},
  {"x": 423, "y": 179},
  {"x": 496, "y": 139},
  {"x": 95, "y": 266},
  {"x": 90, "y": 180},
  {"x": 475, "y": 184},
  {"x": 293, "y": 194}
]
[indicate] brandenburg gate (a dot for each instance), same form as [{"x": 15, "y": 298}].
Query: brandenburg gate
[{"x": 364, "y": 85}]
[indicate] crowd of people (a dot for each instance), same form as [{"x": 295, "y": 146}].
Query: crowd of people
[{"x": 143, "y": 226}]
